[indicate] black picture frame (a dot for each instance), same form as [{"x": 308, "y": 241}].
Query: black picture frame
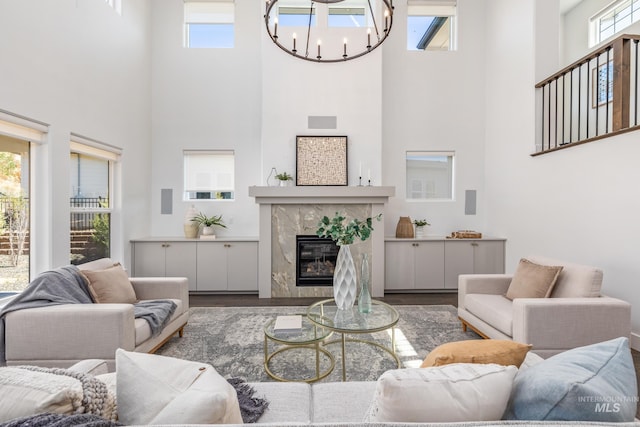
[{"x": 321, "y": 161}]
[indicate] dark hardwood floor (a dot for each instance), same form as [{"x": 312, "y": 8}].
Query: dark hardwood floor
[
  {"x": 397, "y": 299},
  {"x": 253, "y": 300}
]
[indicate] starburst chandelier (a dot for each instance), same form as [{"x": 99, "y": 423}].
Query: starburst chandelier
[{"x": 328, "y": 30}]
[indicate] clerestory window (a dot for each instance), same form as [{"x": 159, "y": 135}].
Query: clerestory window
[
  {"x": 431, "y": 26},
  {"x": 613, "y": 19},
  {"x": 209, "y": 24}
]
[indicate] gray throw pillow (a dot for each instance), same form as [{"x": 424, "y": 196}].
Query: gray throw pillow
[{"x": 592, "y": 383}]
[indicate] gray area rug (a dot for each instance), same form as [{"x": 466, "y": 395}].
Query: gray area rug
[{"x": 232, "y": 340}]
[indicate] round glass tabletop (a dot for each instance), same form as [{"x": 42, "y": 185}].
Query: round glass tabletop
[
  {"x": 325, "y": 313},
  {"x": 309, "y": 334}
]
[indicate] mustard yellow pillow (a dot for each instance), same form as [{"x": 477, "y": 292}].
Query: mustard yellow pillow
[
  {"x": 111, "y": 285},
  {"x": 533, "y": 280},
  {"x": 501, "y": 352}
]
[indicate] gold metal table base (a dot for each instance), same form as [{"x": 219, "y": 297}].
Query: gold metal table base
[
  {"x": 319, "y": 375},
  {"x": 345, "y": 340}
]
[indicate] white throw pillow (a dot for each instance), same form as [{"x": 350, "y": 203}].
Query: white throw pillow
[
  {"x": 156, "y": 389},
  {"x": 29, "y": 392},
  {"x": 450, "y": 393}
]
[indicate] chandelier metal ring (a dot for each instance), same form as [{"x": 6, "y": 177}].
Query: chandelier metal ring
[{"x": 376, "y": 32}]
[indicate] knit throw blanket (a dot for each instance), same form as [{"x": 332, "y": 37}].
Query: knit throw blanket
[
  {"x": 72, "y": 392},
  {"x": 251, "y": 407},
  {"x": 60, "y": 420}
]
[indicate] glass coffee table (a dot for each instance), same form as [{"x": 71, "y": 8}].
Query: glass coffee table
[
  {"x": 325, "y": 314},
  {"x": 310, "y": 336}
]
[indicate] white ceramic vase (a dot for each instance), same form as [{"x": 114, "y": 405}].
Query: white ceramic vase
[
  {"x": 207, "y": 231},
  {"x": 190, "y": 227},
  {"x": 419, "y": 231},
  {"x": 345, "y": 287}
]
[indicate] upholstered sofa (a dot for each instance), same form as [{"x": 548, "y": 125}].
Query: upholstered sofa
[
  {"x": 61, "y": 335},
  {"x": 349, "y": 403},
  {"x": 575, "y": 314}
]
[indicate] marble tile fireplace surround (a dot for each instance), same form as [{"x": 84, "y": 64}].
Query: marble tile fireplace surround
[{"x": 289, "y": 211}]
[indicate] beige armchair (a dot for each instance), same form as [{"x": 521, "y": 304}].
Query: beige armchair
[
  {"x": 61, "y": 335},
  {"x": 575, "y": 314}
]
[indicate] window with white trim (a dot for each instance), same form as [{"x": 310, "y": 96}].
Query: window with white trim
[
  {"x": 430, "y": 175},
  {"x": 20, "y": 137},
  {"x": 613, "y": 19},
  {"x": 209, "y": 175},
  {"x": 431, "y": 25},
  {"x": 209, "y": 24},
  {"x": 91, "y": 203}
]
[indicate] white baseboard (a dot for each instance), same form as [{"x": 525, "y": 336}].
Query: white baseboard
[{"x": 634, "y": 342}]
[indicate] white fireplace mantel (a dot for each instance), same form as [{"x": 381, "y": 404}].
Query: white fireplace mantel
[
  {"x": 323, "y": 195},
  {"x": 266, "y": 197}
]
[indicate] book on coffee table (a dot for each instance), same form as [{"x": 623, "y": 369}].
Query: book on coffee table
[{"x": 288, "y": 323}]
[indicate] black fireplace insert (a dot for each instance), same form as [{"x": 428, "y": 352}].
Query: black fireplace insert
[{"x": 315, "y": 260}]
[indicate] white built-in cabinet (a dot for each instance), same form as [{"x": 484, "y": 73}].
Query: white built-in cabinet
[
  {"x": 165, "y": 259},
  {"x": 227, "y": 266},
  {"x": 471, "y": 257},
  {"x": 414, "y": 265},
  {"x": 212, "y": 265},
  {"x": 435, "y": 263}
]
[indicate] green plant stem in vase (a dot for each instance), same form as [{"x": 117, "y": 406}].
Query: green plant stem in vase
[
  {"x": 344, "y": 234},
  {"x": 364, "y": 299}
]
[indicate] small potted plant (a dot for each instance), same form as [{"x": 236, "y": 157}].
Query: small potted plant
[
  {"x": 420, "y": 224},
  {"x": 284, "y": 179},
  {"x": 208, "y": 223}
]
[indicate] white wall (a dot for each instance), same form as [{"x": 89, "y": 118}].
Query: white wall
[
  {"x": 434, "y": 101},
  {"x": 80, "y": 67},
  {"x": 576, "y": 204},
  {"x": 205, "y": 99},
  {"x": 256, "y": 99}
]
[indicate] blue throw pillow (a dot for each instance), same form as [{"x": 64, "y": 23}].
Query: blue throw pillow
[{"x": 592, "y": 383}]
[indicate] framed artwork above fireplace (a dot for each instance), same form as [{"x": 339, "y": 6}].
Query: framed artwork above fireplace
[{"x": 321, "y": 160}]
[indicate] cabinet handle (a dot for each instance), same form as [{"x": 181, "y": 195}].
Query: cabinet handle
[
  {"x": 475, "y": 244},
  {"x": 227, "y": 245}
]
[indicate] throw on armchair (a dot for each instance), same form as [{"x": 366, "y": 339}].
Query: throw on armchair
[
  {"x": 63, "y": 334},
  {"x": 573, "y": 315}
]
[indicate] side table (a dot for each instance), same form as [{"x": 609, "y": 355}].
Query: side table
[{"x": 310, "y": 337}]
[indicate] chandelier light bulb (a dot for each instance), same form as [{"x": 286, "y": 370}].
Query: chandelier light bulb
[{"x": 294, "y": 42}]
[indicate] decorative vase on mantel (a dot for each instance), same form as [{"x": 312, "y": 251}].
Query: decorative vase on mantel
[
  {"x": 364, "y": 299},
  {"x": 344, "y": 279}
]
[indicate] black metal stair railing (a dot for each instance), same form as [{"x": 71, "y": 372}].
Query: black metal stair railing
[{"x": 595, "y": 97}]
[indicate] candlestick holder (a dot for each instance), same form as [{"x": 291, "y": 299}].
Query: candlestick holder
[
  {"x": 359, "y": 181},
  {"x": 369, "y": 183}
]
